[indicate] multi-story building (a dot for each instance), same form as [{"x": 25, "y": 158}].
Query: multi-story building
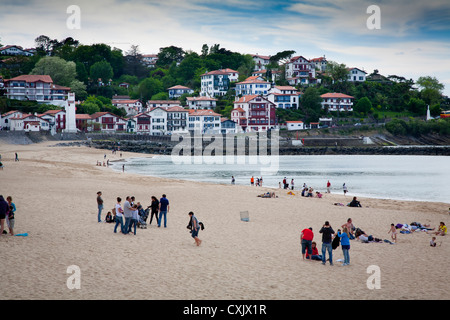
[
  {"x": 300, "y": 70},
  {"x": 356, "y": 75},
  {"x": 177, "y": 118},
  {"x": 252, "y": 86},
  {"x": 204, "y": 121},
  {"x": 201, "y": 103},
  {"x": 260, "y": 61},
  {"x": 177, "y": 91},
  {"x": 215, "y": 83},
  {"x": 132, "y": 106},
  {"x": 158, "y": 121},
  {"x": 12, "y": 50},
  {"x": 337, "y": 102},
  {"x": 320, "y": 63},
  {"x": 38, "y": 88},
  {"x": 254, "y": 113},
  {"x": 285, "y": 97}
]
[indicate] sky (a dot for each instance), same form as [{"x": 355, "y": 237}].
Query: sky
[{"x": 412, "y": 37}]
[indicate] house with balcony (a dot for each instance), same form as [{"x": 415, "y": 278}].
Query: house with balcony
[
  {"x": 285, "y": 97},
  {"x": 177, "y": 91},
  {"x": 56, "y": 120},
  {"x": 258, "y": 111},
  {"x": 141, "y": 124},
  {"x": 151, "y": 104},
  {"x": 38, "y": 88},
  {"x": 300, "y": 70},
  {"x": 261, "y": 61},
  {"x": 177, "y": 120},
  {"x": 6, "y": 118},
  {"x": 252, "y": 86},
  {"x": 107, "y": 122},
  {"x": 337, "y": 102},
  {"x": 215, "y": 83},
  {"x": 83, "y": 121},
  {"x": 356, "y": 75},
  {"x": 320, "y": 63},
  {"x": 201, "y": 103},
  {"x": 158, "y": 116},
  {"x": 204, "y": 122},
  {"x": 29, "y": 123}
]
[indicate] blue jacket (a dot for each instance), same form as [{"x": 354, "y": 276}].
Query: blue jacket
[{"x": 345, "y": 241}]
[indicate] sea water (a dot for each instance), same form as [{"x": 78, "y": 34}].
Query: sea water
[{"x": 421, "y": 178}]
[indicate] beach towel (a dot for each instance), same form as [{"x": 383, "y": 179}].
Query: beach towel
[{"x": 21, "y": 235}]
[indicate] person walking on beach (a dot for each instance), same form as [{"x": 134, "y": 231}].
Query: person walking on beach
[
  {"x": 306, "y": 237},
  {"x": 292, "y": 184},
  {"x": 154, "y": 207},
  {"x": 99, "y": 206},
  {"x": 345, "y": 244},
  {"x": 328, "y": 186},
  {"x": 163, "y": 210},
  {"x": 327, "y": 235},
  {"x": 119, "y": 215},
  {"x": 393, "y": 233},
  {"x": 17, "y": 157},
  {"x": 195, "y": 228},
  {"x": 344, "y": 188},
  {"x": 232, "y": 180}
]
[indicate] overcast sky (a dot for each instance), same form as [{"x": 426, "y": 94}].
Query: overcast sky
[{"x": 413, "y": 41}]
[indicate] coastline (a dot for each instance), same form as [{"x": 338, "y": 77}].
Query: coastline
[{"x": 54, "y": 189}]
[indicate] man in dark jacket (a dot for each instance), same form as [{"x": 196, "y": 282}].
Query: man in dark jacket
[
  {"x": 327, "y": 238},
  {"x": 4, "y": 208}
]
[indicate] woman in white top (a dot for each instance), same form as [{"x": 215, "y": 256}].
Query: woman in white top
[{"x": 119, "y": 215}]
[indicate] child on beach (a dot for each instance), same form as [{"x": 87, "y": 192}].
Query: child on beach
[
  {"x": 393, "y": 233},
  {"x": 433, "y": 242}
]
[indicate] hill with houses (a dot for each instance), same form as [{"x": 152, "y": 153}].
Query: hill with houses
[{"x": 214, "y": 91}]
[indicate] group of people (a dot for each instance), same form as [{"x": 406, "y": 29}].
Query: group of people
[
  {"x": 128, "y": 216},
  {"x": 330, "y": 241},
  {"x": 7, "y": 212},
  {"x": 258, "y": 182}
]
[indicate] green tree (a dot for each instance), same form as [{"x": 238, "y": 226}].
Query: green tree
[
  {"x": 311, "y": 104},
  {"x": 62, "y": 72},
  {"x": 101, "y": 70},
  {"x": 363, "y": 105},
  {"x": 90, "y": 107},
  {"x": 168, "y": 55},
  {"x": 149, "y": 87},
  {"x": 417, "y": 106},
  {"x": 79, "y": 88},
  {"x": 431, "y": 89}
]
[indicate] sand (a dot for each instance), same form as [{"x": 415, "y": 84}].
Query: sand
[{"x": 54, "y": 189}]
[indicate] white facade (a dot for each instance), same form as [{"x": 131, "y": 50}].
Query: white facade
[
  {"x": 15, "y": 51},
  {"x": 158, "y": 121},
  {"x": 300, "y": 70},
  {"x": 215, "y": 83},
  {"x": 204, "y": 122},
  {"x": 261, "y": 61},
  {"x": 177, "y": 91},
  {"x": 252, "y": 86},
  {"x": 131, "y": 107},
  {"x": 29, "y": 123},
  {"x": 356, "y": 75},
  {"x": 162, "y": 104},
  {"x": 337, "y": 102},
  {"x": 70, "y": 125},
  {"x": 201, "y": 103},
  {"x": 6, "y": 118},
  {"x": 295, "y": 125}
]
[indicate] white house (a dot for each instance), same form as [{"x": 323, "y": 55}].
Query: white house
[
  {"x": 295, "y": 125},
  {"x": 254, "y": 113},
  {"x": 233, "y": 75},
  {"x": 12, "y": 50},
  {"x": 108, "y": 122},
  {"x": 149, "y": 60},
  {"x": 29, "y": 123},
  {"x": 177, "y": 120},
  {"x": 252, "y": 86},
  {"x": 260, "y": 61},
  {"x": 39, "y": 88},
  {"x": 215, "y": 83},
  {"x": 201, "y": 102},
  {"x": 56, "y": 120},
  {"x": 177, "y": 91},
  {"x": 132, "y": 106},
  {"x": 6, "y": 118},
  {"x": 300, "y": 70},
  {"x": 356, "y": 75},
  {"x": 162, "y": 104},
  {"x": 337, "y": 102},
  {"x": 204, "y": 121},
  {"x": 158, "y": 121},
  {"x": 285, "y": 97},
  {"x": 142, "y": 123},
  {"x": 320, "y": 63}
]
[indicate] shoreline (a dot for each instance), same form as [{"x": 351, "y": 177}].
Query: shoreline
[{"x": 54, "y": 190}]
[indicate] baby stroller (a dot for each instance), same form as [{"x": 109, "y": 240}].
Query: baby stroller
[{"x": 143, "y": 215}]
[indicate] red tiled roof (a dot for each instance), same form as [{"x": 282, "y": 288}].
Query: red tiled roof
[
  {"x": 179, "y": 87},
  {"x": 336, "y": 95},
  {"x": 32, "y": 78}
]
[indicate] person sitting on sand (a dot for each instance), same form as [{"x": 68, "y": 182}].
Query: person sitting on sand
[
  {"x": 318, "y": 194},
  {"x": 442, "y": 231},
  {"x": 109, "y": 218},
  {"x": 310, "y": 192},
  {"x": 315, "y": 253},
  {"x": 354, "y": 203}
]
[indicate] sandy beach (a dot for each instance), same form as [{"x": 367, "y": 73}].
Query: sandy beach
[{"x": 54, "y": 189}]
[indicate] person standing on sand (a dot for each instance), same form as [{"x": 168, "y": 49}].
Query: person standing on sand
[
  {"x": 3, "y": 211},
  {"x": 345, "y": 243},
  {"x": 327, "y": 232},
  {"x": 163, "y": 210},
  {"x": 99, "y": 206},
  {"x": 195, "y": 228},
  {"x": 393, "y": 233},
  {"x": 328, "y": 186},
  {"x": 11, "y": 215},
  {"x": 128, "y": 214},
  {"x": 232, "y": 180},
  {"x": 154, "y": 209},
  {"x": 344, "y": 188},
  {"x": 17, "y": 157},
  {"x": 306, "y": 237},
  {"x": 119, "y": 215},
  {"x": 252, "y": 181}
]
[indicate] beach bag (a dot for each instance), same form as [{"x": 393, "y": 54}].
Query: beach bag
[
  {"x": 202, "y": 226},
  {"x": 335, "y": 243}
]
